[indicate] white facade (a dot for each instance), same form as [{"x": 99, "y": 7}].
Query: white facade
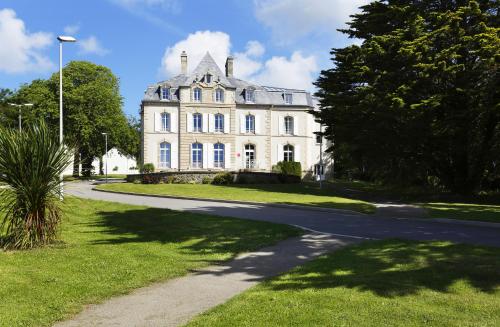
[
  {"x": 208, "y": 120},
  {"x": 117, "y": 164}
]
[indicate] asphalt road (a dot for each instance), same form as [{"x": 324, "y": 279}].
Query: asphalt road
[{"x": 336, "y": 223}]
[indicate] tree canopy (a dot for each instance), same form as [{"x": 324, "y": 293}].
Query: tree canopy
[
  {"x": 418, "y": 101},
  {"x": 92, "y": 106}
]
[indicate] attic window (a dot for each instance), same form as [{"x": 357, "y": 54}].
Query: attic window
[
  {"x": 208, "y": 78},
  {"x": 249, "y": 95},
  {"x": 165, "y": 93},
  {"x": 288, "y": 98}
]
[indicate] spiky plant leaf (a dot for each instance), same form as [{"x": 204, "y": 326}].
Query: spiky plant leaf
[{"x": 31, "y": 163}]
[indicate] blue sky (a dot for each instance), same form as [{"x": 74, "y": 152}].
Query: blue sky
[{"x": 275, "y": 42}]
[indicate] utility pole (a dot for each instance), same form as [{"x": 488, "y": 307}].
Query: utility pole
[{"x": 106, "y": 138}]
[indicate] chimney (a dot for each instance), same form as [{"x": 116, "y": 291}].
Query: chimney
[
  {"x": 184, "y": 63},
  {"x": 229, "y": 66}
]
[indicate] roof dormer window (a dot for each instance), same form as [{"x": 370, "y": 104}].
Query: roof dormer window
[
  {"x": 288, "y": 97},
  {"x": 165, "y": 93},
  {"x": 208, "y": 78},
  {"x": 249, "y": 95}
]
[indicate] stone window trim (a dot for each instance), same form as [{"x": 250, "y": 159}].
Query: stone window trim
[
  {"x": 288, "y": 98},
  {"x": 219, "y": 123},
  {"x": 165, "y": 155},
  {"x": 165, "y": 121},
  {"x": 197, "y": 122},
  {"x": 249, "y": 123},
  {"x": 288, "y": 152},
  {"x": 289, "y": 125},
  {"x": 197, "y": 94}
]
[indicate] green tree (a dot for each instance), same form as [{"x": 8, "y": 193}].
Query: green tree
[
  {"x": 418, "y": 100},
  {"x": 92, "y": 106}
]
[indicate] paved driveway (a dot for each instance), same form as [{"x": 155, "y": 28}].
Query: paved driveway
[{"x": 336, "y": 223}]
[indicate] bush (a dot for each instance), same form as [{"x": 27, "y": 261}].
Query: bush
[
  {"x": 206, "y": 180},
  {"x": 31, "y": 163},
  {"x": 151, "y": 179},
  {"x": 115, "y": 168},
  {"x": 222, "y": 179},
  {"x": 147, "y": 168},
  {"x": 293, "y": 168}
]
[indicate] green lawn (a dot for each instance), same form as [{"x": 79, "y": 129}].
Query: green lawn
[
  {"x": 109, "y": 248},
  {"x": 464, "y": 211},
  {"x": 383, "y": 283},
  {"x": 302, "y": 194}
]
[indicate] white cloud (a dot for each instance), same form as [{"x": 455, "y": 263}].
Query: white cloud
[
  {"x": 293, "y": 19},
  {"x": 91, "y": 45},
  {"x": 298, "y": 71},
  {"x": 196, "y": 45},
  {"x": 72, "y": 29},
  {"x": 21, "y": 51}
]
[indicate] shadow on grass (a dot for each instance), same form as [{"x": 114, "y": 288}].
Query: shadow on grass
[
  {"x": 196, "y": 233},
  {"x": 397, "y": 268}
]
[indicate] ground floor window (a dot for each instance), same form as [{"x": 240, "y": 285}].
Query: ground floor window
[
  {"x": 165, "y": 154},
  {"x": 288, "y": 154},
  {"x": 219, "y": 155},
  {"x": 197, "y": 155},
  {"x": 250, "y": 156}
]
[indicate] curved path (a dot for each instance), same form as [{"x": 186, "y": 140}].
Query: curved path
[{"x": 342, "y": 224}]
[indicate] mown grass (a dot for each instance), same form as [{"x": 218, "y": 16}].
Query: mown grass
[
  {"x": 108, "y": 249},
  {"x": 464, "y": 211},
  {"x": 308, "y": 194},
  {"x": 383, "y": 283}
]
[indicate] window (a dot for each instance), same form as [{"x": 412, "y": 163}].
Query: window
[
  {"x": 165, "y": 122},
  {"x": 288, "y": 98},
  {"x": 219, "y": 123},
  {"x": 219, "y": 155},
  {"x": 250, "y": 124},
  {"x": 197, "y": 155},
  {"x": 249, "y": 95},
  {"x": 288, "y": 153},
  {"x": 165, "y": 155},
  {"x": 249, "y": 156},
  {"x": 219, "y": 95},
  {"x": 289, "y": 125},
  {"x": 197, "y": 94},
  {"x": 197, "y": 122},
  {"x": 319, "y": 139},
  {"x": 208, "y": 78},
  {"x": 165, "y": 93}
]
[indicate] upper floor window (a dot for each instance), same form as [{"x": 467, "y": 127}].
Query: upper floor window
[
  {"x": 219, "y": 155},
  {"x": 197, "y": 155},
  {"x": 197, "y": 122},
  {"x": 319, "y": 139},
  {"x": 288, "y": 153},
  {"x": 219, "y": 123},
  {"x": 219, "y": 95},
  {"x": 208, "y": 78},
  {"x": 288, "y": 125},
  {"x": 249, "y": 95},
  {"x": 165, "y": 93},
  {"x": 165, "y": 122},
  {"x": 165, "y": 155},
  {"x": 288, "y": 98},
  {"x": 250, "y": 124},
  {"x": 197, "y": 94}
]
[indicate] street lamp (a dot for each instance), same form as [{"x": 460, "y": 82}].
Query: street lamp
[
  {"x": 106, "y": 138},
  {"x": 61, "y": 40},
  {"x": 20, "y": 106}
]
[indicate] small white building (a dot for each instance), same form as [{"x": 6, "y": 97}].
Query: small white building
[{"x": 117, "y": 164}]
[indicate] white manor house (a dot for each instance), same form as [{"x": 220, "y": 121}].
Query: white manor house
[{"x": 210, "y": 120}]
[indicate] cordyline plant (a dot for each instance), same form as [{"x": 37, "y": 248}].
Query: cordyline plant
[{"x": 31, "y": 163}]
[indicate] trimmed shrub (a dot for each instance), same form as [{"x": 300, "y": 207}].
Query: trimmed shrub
[
  {"x": 293, "y": 168},
  {"x": 223, "y": 179},
  {"x": 206, "y": 180},
  {"x": 147, "y": 168}
]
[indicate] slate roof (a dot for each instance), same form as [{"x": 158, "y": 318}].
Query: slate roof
[{"x": 266, "y": 95}]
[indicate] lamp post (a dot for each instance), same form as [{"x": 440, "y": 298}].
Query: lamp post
[
  {"x": 20, "y": 106},
  {"x": 106, "y": 138},
  {"x": 62, "y": 39}
]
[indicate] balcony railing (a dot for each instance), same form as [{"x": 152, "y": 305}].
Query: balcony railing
[{"x": 250, "y": 164}]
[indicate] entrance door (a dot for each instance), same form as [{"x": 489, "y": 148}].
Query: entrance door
[{"x": 249, "y": 156}]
